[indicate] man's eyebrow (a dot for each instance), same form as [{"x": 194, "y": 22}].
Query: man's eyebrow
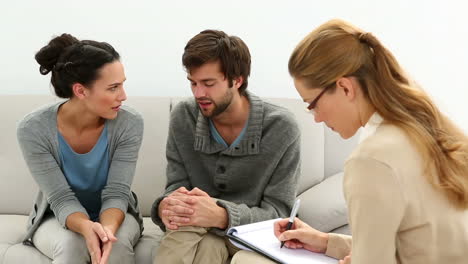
[{"x": 204, "y": 80}]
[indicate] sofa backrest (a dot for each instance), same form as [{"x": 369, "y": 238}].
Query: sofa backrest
[
  {"x": 17, "y": 188},
  {"x": 323, "y": 153}
]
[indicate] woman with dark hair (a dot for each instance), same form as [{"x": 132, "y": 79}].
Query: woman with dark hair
[
  {"x": 406, "y": 184},
  {"x": 82, "y": 153}
]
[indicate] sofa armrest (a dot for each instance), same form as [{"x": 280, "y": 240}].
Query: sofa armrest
[{"x": 323, "y": 206}]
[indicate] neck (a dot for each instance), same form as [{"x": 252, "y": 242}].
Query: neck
[
  {"x": 367, "y": 110},
  {"x": 236, "y": 114},
  {"x": 74, "y": 114}
]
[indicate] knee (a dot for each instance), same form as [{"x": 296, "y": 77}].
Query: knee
[
  {"x": 244, "y": 256},
  {"x": 185, "y": 235},
  {"x": 214, "y": 246},
  {"x": 122, "y": 252},
  {"x": 212, "y": 242},
  {"x": 72, "y": 246}
]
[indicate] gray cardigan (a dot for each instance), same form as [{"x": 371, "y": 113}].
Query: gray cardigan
[
  {"x": 255, "y": 180},
  {"x": 37, "y": 137}
]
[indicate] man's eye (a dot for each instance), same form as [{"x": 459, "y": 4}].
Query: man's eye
[{"x": 209, "y": 84}]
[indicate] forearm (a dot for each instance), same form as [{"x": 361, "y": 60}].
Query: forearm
[
  {"x": 112, "y": 218},
  {"x": 79, "y": 223}
]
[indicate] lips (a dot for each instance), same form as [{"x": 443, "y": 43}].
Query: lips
[
  {"x": 116, "y": 108},
  {"x": 204, "y": 104}
]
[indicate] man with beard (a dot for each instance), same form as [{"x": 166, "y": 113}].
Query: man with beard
[{"x": 233, "y": 159}]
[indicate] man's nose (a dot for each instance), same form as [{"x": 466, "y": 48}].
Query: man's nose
[{"x": 199, "y": 91}]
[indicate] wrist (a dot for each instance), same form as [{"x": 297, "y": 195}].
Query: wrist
[
  {"x": 85, "y": 227},
  {"x": 111, "y": 228},
  {"x": 323, "y": 237},
  {"x": 223, "y": 218}
]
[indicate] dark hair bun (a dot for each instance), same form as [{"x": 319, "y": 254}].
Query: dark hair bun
[{"x": 48, "y": 55}]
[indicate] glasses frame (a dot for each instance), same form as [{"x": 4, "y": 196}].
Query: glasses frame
[{"x": 313, "y": 104}]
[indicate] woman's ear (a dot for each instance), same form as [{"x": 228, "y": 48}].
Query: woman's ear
[
  {"x": 347, "y": 86},
  {"x": 79, "y": 90}
]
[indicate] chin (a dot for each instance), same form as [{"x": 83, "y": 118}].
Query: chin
[
  {"x": 347, "y": 134},
  {"x": 110, "y": 116}
]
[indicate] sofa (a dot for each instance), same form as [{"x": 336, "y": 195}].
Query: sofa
[{"x": 320, "y": 188}]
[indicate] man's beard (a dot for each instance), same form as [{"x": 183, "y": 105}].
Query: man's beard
[{"x": 218, "y": 107}]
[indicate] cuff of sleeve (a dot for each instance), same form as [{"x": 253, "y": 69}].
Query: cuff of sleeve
[
  {"x": 155, "y": 214},
  {"x": 114, "y": 203},
  {"x": 234, "y": 216},
  {"x": 72, "y": 207},
  {"x": 339, "y": 246}
]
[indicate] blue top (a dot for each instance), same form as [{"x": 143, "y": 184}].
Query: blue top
[
  {"x": 220, "y": 139},
  {"x": 86, "y": 173}
]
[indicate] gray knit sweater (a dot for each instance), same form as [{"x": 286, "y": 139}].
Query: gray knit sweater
[
  {"x": 255, "y": 180},
  {"x": 37, "y": 137}
]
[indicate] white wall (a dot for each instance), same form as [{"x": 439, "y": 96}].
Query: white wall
[{"x": 429, "y": 38}]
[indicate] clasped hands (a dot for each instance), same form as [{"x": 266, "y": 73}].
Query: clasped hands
[
  {"x": 99, "y": 240},
  {"x": 301, "y": 235},
  {"x": 191, "y": 208}
]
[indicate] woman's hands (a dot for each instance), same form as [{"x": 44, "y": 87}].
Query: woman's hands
[
  {"x": 99, "y": 240},
  {"x": 301, "y": 235}
]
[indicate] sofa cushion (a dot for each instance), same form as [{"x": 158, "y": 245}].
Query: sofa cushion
[
  {"x": 19, "y": 254},
  {"x": 325, "y": 208},
  {"x": 13, "y": 228},
  {"x": 152, "y": 235},
  {"x": 345, "y": 230}
]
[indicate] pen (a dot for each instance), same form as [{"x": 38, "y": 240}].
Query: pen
[{"x": 291, "y": 217}]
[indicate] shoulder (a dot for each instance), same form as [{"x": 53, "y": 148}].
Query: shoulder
[
  {"x": 388, "y": 143},
  {"x": 185, "y": 106},
  {"x": 128, "y": 114},
  {"x": 280, "y": 119},
  {"x": 389, "y": 151},
  {"x": 40, "y": 118},
  {"x": 127, "y": 121},
  {"x": 183, "y": 111}
]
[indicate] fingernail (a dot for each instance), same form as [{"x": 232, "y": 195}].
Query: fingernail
[{"x": 105, "y": 239}]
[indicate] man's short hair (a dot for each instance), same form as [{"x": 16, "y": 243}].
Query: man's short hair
[{"x": 215, "y": 45}]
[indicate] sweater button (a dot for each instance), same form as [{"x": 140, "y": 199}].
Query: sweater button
[
  {"x": 222, "y": 186},
  {"x": 221, "y": 169}
]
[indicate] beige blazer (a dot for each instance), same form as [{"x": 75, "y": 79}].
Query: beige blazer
[{"x": 395, "y": 215}]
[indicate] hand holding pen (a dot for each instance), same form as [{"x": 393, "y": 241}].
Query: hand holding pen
[
  {"x": 300, "y": 235},
  {"x": 291, "y": 217}
]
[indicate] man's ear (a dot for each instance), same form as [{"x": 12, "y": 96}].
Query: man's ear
[
  {"x": 237, "y": 82},
  {"x": 79, "y": 90},
  {"x": 347, "y": 87}
]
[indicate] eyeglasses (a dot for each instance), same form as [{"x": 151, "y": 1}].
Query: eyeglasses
[{"x": 313, "y": 104}]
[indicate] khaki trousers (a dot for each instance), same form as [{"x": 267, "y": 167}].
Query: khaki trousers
[
  {"x": 244, "y": 256},
  {"x": 195, "y": 245}
]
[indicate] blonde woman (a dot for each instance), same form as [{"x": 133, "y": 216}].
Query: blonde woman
[{"x": 406, "y": 184}]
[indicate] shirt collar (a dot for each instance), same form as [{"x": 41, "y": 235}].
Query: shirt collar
[{"x": 371, "y": 126}]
